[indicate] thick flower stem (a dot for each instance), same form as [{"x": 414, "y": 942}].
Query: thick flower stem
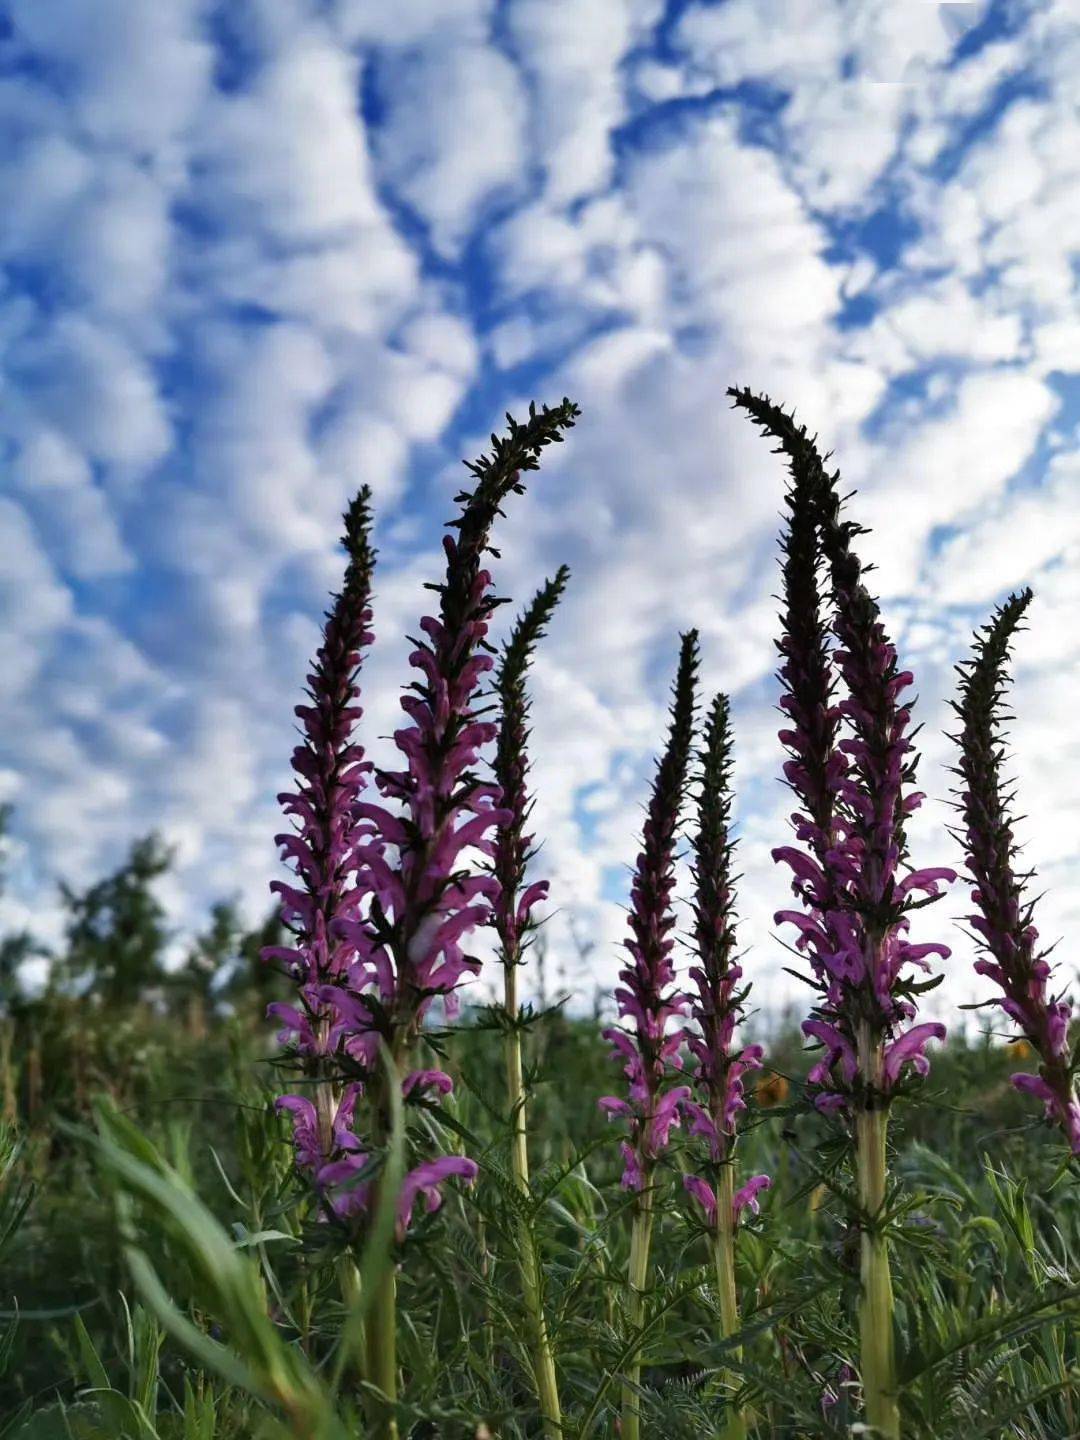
[
  {"x": 543, "y": 1360},
  {"x": 724, "y": 1257},
  {"x": 640, "y": 1240},
  {"x": 382, "y": 1350},
  {"x": 876, "y": 1302}
]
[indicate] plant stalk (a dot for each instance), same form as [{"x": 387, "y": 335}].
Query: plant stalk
[
  {"x": 877, "y": 1350},
  {"x": 547, "y": 1387},
  {"x": 724, "y": 1258},
  {"x": 381, "y": 1344},
  {"x": 380, "y": 1327},
  {"x": 640, "y": 1239}
]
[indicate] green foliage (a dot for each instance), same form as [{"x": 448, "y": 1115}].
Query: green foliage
[{"x": 165, "y": 1275}]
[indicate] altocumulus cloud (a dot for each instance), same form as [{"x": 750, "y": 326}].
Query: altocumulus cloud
[{"x": 255, "y": 253}]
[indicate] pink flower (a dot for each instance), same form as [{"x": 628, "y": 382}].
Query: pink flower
[
  {"x": 704, "y": 1194},
  {"x": 1004, "y": 923},
  {"x": 425, "y": 1181},
  {"x": 747, "y": 1196},
  {"x": 645, "y": 998},
  {"x": 851, "y": 765},
  {"x": 908, "y": 1050}
]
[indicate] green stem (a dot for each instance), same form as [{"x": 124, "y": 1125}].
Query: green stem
[
  {"x": 547, "y": 1387},
  {"x": 724, "y": 1258},
  {"x": 640, "y": 1238},
  {"x": 380, "y": 1328},
  {"x": 878, "y": 1357},
  {"x": 381, "y": 1347}
]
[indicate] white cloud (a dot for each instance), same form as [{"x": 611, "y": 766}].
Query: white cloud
[
  {"x": 440, "y": 98},
  {"x": 572, "y": 54},
  {"x": 216, "y": 323}
]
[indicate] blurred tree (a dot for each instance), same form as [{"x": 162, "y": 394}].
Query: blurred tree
[
  {"x": 253, "y": 980},
  {"x": 116, "y": 933},
  {"x": 213, "y": 954}
]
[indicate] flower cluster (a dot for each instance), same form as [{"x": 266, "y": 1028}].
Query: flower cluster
[
  {"x": 718, "y": 1003},
  {"x": 331, "y": 773},
  {"x": 513, "y": 846},
  {"x": 398, "y": 934},
  {"x": 646, "y": 998},
  {"x": 1004, "y": 918},
  {"x": 851, "y": 766},
  {"x": 424, "y": 900}
]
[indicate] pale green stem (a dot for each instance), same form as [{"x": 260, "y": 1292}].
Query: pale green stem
[
  {"x": 547, "y": 1387},
  {"x": 382, "y": 1347},
  {"x": 724, "y": 1257},
  {"x": 878, "y": 1359},
  {"x": 640, "y": 1238},
  {"x": 380, "y": 1329}
]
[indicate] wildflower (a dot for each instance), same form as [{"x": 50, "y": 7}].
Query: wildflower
[
  {"x": 851, "y": 767},
  {"x": 513, "y": 847},
  {"x": 424, "y": 898},
  {"x": 331, "y": 772},
  {"x": 1003, "y": 921},
  {"x": 649, "y": 1003},
  {"x": 513, "y": 921},
  {"x": 646, "y": 998},
  {"x": 720, "y": 1063},
  {"x": 424, "y": 904},
  {"x": 718, "y": 1004}
]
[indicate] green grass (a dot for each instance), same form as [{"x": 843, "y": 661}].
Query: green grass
[{"x": 163, "y": 1274}]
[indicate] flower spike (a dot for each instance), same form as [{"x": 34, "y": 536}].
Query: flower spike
[{"x": 1003, "y": 921}]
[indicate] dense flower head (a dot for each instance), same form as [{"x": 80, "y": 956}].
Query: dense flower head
[
  {"x": 425, "y": 899},
  {"x": 1003, "y": 919},
  {"x": 331, "y": 772},
  {"x": 852, "y": 769},
  {"x": 648, "y": 1048},
  {"x": 383, "y": 947},
  {"x": 513, "y": 845},
  {"x": 718, "y": 1000}
]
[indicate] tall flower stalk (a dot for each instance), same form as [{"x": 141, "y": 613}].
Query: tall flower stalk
[
  {"x": 1004, "y": 918},
  {"x": 717, "y": 1007},
  {"x": 425, "y": 896},
  {"x": 514, "y": 923},
  {"x": 648, "y": 1002},
  {"x": 331, "y": 772},
  {"x": 851, "y": 767}
]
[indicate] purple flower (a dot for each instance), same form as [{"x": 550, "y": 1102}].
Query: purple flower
[
  {"x": 851, "y": 768},
  {"x": 334, "y": 1163},
  {"x": 646, "y": 997},
  {"x": 719, "y": 1000},
  {"x": 1003, "y": 922},
  {"x": 330, "y": 772},
  {"x": 425, "y": 1182},
  {"x": 388, "y": 894},
  {"x": 704, "y": 1194},
  {"x": 749, "y": 1193},
  {"x": 415, "y": 856},
  {"x": 910, "y": 1049},
  {"x": 513, "y": 846},
  {"x": 425, "y": 898},
  {"x": 418, "y": 1083}
]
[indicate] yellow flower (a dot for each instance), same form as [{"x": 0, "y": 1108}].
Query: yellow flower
[{"x": 1018, "y": 1050}]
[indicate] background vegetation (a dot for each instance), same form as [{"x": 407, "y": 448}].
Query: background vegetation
[{"x": 987, "y": 1247}]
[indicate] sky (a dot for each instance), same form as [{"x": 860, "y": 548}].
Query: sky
[{"x": 255, "y": 253}]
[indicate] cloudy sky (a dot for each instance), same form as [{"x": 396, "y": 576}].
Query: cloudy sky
[{"x": 254, "y": 253}]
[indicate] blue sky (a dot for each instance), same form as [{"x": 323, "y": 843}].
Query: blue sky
[{"x": 253, "y": 254}]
